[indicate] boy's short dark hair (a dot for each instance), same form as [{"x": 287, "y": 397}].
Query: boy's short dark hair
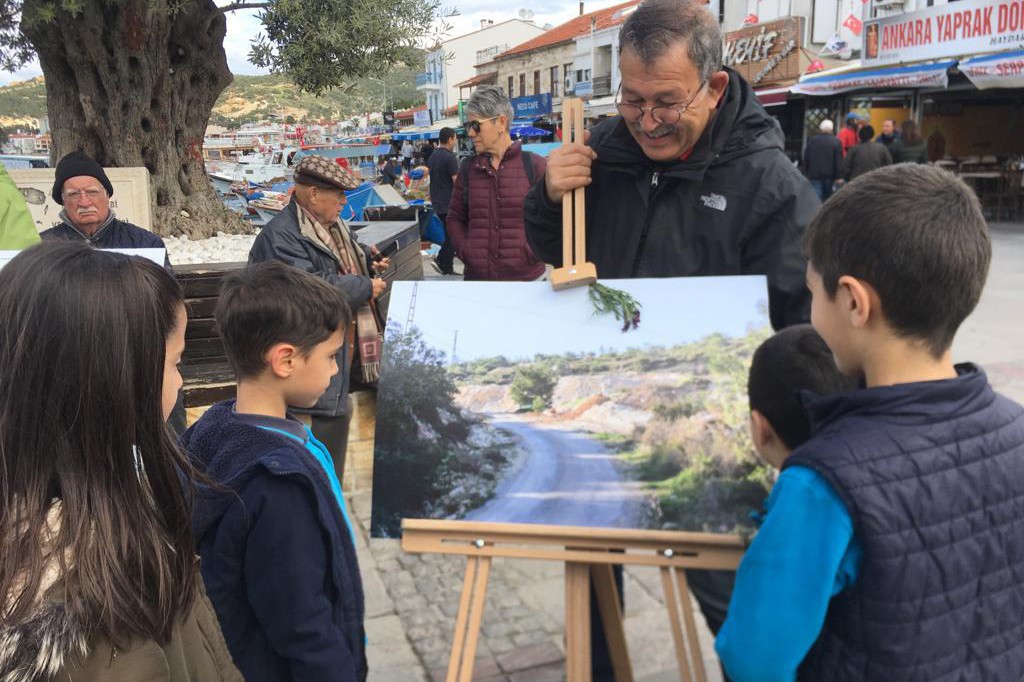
[
  {"x": 917, "y": 235},
  {"x": 270, "y": 303},
  {"x": 866, "y": 133},
  {"x": 793, "y": 360}
]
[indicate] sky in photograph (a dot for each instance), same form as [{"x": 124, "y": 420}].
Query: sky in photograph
[
  {"x": 521, "y": 319},
  {"x": 243, "y": 25}
]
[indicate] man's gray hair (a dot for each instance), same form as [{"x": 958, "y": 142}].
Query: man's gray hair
[
  {"x": 657, "y": 25},
  {"x": 488, "y": 101}
]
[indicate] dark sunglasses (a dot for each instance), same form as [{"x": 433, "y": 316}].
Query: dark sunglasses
[{"x": 475, "y": 125}]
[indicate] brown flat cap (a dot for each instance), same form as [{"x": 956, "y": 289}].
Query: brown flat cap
[{"x": 320, "y": 171}]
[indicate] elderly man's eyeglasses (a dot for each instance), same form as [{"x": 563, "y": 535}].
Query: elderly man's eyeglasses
[
  {"x": 90, "y": 194},
  {"x": 666, "y": 114},
  {"x": 474, "y": 126}
]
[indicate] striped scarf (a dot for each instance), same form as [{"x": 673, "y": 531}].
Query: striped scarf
[{"x": 337, "y": 238}]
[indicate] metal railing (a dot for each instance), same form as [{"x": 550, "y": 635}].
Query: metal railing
[
  {"x": 488, "y": 53},
  {"x": 602, "y": 86}
]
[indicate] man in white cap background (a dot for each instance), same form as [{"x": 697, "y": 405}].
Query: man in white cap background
[
  {"x": 83, "y": 189},
  {"x": 309, "y": 234},
  {"x": 823, "y": 160}
]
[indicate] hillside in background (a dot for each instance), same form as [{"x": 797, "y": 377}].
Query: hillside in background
[{"x": 249, "y": 99}]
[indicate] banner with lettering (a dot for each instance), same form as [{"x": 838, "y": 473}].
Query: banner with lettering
[
  {"x": 956, "y": 29},
  {"x": 919, "y": 76},
  {"x": 996, "y": 71}
]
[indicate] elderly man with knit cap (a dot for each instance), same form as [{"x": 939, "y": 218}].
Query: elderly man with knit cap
[
  {"x": 309, "y": 234},
  {"x": 84, "y": 191}
]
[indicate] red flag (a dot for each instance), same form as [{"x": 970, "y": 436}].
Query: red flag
[
  {"x": 750, "y": 20},
  {"x": 854, "y": 24},
  {"x": 815, "y": 66}
]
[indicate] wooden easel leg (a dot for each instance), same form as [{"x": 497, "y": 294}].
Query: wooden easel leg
[
  {"x": 467, "y": 623},
  {"x": 677, "y": 629},
  {"x": 577, "y": 622},
  {"x": 611, "y": 618},
  {"x": 691, "y": 625}
]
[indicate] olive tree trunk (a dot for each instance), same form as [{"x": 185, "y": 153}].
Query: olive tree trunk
[{"x": 132, "y": 83}]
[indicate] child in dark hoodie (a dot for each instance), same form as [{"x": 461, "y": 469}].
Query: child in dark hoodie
[{"x": 277, "y": 546}]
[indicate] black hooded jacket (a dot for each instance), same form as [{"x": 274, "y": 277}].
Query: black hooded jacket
[{"x": 735, "y": 206}]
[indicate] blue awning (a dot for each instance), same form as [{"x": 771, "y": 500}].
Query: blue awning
[{"x": 934, "y": 75}]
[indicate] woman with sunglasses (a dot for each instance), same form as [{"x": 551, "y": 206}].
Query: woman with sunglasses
[{"x": 485, "y": 219}]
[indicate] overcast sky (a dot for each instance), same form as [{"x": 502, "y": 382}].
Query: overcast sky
[
  {"x": 521, "y": 319},
  {"x": 242, "y": 26}
]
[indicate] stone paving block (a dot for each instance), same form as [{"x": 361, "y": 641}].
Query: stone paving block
[
  {"x": 550, "y": 673},
  {"x": 535, "y": 656},
  {"x": 378, "y": 601}
]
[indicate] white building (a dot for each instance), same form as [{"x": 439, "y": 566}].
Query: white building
[{"x": 455, "y": 60}]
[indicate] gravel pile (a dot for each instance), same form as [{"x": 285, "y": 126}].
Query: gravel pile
[{"x": 224, "y": 248}]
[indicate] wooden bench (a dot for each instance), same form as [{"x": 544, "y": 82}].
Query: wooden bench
[{"x": 207, "y": 375}]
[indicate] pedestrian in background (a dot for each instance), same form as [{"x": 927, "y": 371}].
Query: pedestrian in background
[
  {"x": 848, "y": 135},
  {"x": 823, "y": 160},
  {"x": 911, "y": 147},
  {"x": 867, "y": 156},
  {"x": 485, "y": 220},
  {"x": 444, "y": 168}
]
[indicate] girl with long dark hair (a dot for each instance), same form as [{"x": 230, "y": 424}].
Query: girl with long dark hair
[{"x": 98, "y": 576}]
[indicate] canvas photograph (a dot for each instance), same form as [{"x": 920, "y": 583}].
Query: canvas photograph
[{"x": 513, "y": 403}]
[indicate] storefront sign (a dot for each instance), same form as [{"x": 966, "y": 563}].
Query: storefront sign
[
  {"x": 967, "y": 27},
  {"x": 421, "y": 118},
  {"x": 767, "y": 53},
  {"x": 532, "y": 107},
  {"x": 996, "y": 71},
  {"x": 923, "y": 76}
]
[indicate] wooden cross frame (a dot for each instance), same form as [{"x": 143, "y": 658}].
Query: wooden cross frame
[
  {"x": 588, "y": 554},
  {"x": 575, "y": 270}
]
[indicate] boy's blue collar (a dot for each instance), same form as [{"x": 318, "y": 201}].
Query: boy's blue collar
[{"x": 289, "y": 425}]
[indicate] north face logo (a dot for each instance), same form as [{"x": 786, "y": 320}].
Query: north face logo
[{"x": 715, "y": 201}]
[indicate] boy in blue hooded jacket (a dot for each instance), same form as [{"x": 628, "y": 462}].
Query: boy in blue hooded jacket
[{"x": 272, "y": 528}]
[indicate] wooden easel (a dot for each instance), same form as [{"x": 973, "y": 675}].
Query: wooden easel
[
  {"x": 575, "y": 270},
  {"x": 588, "y": 553}
]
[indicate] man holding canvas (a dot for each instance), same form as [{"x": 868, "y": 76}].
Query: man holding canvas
[{"x": 689, "y": 180}]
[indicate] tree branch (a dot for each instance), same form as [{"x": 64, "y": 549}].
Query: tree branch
[{"x": 242, "y": 5}]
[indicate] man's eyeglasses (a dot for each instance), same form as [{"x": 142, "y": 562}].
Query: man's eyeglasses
[
  {"x": 475, "y": 125},
  {"x": 91, "y": 194},
  {"x": 666, "y": 114}
]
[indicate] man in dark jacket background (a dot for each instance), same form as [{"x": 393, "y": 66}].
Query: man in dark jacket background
[
  {"x": 823, "y": 160},
  {"x": 866, "y": 156},
  {"x": 305, "y": 235},
  {"x": 83, "y": 189},
  {"x": 444, "y": 168},
  {"x": 690, "y": 179}
]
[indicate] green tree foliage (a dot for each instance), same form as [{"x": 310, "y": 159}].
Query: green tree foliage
[
  {"x": 533, "y": 386},
  {"x": 418, "y": 429}
]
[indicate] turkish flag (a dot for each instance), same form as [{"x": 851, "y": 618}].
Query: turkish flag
[
  {"x": 854, "y": 24},
  {"x": 815, "y": 66},
  {"x": 750, "y": 20}
]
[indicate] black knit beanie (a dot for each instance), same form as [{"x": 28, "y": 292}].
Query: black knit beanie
[{"x": 73, "y": 165}]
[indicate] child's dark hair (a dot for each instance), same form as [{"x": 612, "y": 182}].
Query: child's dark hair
[
  {"x": 793, "y": 360},
  {"x": 270, "y": 303},
  {"x": 917, "y": 235},
  {"x": 82, "y": 437}
]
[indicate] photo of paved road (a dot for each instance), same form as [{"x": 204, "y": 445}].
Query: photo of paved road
[{"x": 568, "y": 479}]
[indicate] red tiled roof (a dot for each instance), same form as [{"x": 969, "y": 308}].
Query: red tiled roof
[
  {"x": 572, "y": 29},
  {"x": 408, "y": 113},
  {"x": 478, "y": 79}
]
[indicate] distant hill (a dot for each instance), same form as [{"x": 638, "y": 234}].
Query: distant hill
[{"x": 248, "y": 99}]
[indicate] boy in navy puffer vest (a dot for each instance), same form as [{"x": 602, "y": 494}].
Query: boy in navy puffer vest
[
  {"x": 915, "y": 483},
  {"x": 272, "y": 529}
]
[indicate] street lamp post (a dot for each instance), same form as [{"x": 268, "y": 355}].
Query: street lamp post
[{"x": 385, "y": 86}]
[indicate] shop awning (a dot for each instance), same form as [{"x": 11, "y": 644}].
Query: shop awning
[
  {"x": 844, "y": 79},
  {"x": 773, "y": 97},
  {"x": 1004, "y": 70}
]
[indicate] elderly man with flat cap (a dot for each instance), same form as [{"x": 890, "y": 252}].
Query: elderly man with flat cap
[
  {"x": 309, "y": 234},
  {"x": 84, "y": 191}
]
